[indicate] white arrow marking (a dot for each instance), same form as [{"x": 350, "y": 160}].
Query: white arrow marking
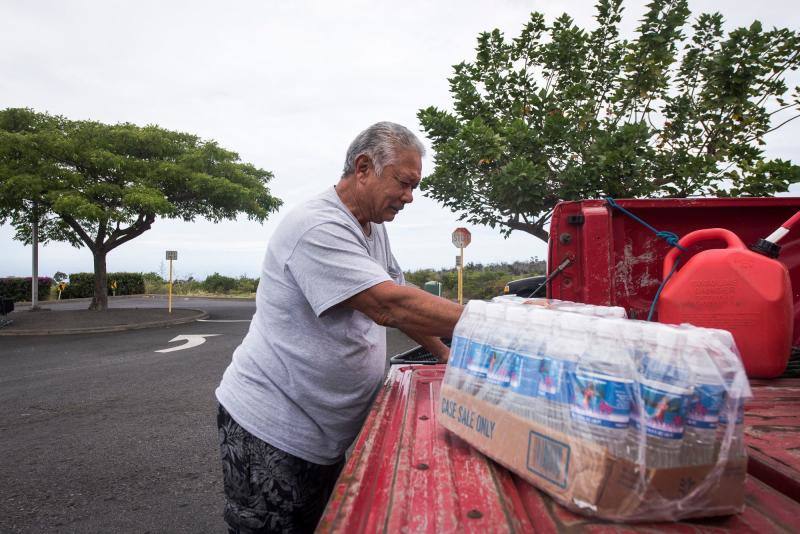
[{"x": 192, "y": 340}]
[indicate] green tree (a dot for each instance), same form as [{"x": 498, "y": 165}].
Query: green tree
[
  {"x": 562, "y": 113},
  {"x": 100, "y": 185}
]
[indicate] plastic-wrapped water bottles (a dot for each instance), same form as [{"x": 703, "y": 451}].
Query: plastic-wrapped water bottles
[
  {"x": 659, "y": 405},
  {"x": 706, "y": 402},
  {"x": 602, "y": 390},
  {"x": 654, "y": 396}
]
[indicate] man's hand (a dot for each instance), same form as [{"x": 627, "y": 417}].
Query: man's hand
[{"x": 432, "y": 344}]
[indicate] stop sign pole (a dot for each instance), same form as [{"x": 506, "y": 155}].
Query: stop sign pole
[{"x": 461, "y": 238}]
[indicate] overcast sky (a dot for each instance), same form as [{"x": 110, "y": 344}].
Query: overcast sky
[{"x": 287, "y": 85}]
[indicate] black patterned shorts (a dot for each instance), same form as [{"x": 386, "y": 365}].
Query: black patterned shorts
[{"x": 267, "y": 489}]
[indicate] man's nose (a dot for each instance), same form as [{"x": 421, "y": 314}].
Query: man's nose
[{"x": 408, "y": 196}]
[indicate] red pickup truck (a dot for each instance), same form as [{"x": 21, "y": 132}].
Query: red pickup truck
[{"x": 407, "y": 474}]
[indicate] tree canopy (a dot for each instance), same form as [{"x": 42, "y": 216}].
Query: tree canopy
[
  {"x": 99, "y": 185},
  {"x": 564, "y": 113}
]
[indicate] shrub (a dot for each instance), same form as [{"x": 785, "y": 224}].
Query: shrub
[
  {"x": 127, "y": 283},
  {"x": 19, "y": 288},
  {"x": 246, "y": 285},
  {"x": 81, "y": 285},
  {"x": 217, "y": 283},
  {"x": 185, "y": 287}
]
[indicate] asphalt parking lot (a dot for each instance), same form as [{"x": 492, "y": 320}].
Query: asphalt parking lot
[{"x": 101, "y": 433}]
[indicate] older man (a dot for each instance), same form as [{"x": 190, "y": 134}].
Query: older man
[{"x": 302, "y": 380}]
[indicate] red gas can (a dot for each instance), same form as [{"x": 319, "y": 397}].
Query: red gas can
[{"x": 737, "y": 290}]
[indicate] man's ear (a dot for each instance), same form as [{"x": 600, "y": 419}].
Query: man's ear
[{"x": 363, "y": 165}]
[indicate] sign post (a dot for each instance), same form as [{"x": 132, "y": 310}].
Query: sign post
[
  {"x": 171, "y": 255},
  {"x": 461, "y": 238}
]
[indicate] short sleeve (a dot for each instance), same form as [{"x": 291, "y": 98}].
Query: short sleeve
[
  {"x": 330, "y": 264},
  {"x": 395, "y": 271}
]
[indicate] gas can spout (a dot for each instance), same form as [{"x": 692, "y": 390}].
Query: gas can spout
[{"x": 769, "y": 245}]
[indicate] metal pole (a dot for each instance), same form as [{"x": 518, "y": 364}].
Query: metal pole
[
  {"x": 35, "y": 260},
  {"x": 461, "y": 277},
  {"x": 170, "y": 286}
]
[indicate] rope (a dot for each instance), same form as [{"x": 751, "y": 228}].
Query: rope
[
  {"x": 669, "y": 237},
  {"x": 661, "y": 287}
]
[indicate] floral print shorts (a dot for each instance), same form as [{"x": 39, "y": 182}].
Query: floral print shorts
[{"x": 267, "y": 489}]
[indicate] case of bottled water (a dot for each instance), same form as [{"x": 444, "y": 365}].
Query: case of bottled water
[{"x": 656, "y": 396}]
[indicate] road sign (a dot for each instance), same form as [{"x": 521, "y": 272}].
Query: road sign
[
  {"x": 458, "y": 261},
  {"x": 461, "y": 237},
  {"x": 171, "y": 255}
]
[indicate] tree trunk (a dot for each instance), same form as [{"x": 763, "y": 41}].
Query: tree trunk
[{"x": 100, "y": 298}]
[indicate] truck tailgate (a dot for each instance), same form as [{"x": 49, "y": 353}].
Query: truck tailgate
[{"x": 408, "y": 474}]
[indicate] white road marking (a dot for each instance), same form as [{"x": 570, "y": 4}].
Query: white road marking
[
  {"x": 192, "y": 340},
  {"x": 223, "y": 320}
]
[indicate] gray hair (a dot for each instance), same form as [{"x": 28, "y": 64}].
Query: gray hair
[{"x": 379, "y": 143}]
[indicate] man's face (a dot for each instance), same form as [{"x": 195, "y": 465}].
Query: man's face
[{"x": 391, "y": 191}]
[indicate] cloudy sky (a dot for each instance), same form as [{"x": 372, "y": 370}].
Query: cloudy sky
[{"x": 287, "y": 85}]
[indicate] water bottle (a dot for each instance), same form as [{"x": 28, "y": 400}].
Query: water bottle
[
  {"x": 705, "y": 403},
  {"x": 602, "y": 389},
  {"x": 465, "y": 331},
  {"x": 476, "y": 349},
  {"x": 732, "y": 410},
  {"x": 659, "y": 407},
  {"x": 727, "y": 360},
  {"x": 529, "y": 348},
  {"x": 484, "y": 352},
  {"x": 501, "y": 356},
  {"x": 557, "y": 367}
]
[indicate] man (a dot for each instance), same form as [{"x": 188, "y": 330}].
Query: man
[{"x": 300, "y": 384}]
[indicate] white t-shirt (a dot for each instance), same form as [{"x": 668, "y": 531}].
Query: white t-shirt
[{"x": 304, "y": 376}]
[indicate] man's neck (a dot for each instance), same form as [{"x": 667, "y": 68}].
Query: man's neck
[{"x": 346, "y": 189}]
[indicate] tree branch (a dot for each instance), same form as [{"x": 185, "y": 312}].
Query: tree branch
[
  {"x": 133, "y": 231},
  {"x": 534, "y": 229},
  {"x": 78, "y": 229}
]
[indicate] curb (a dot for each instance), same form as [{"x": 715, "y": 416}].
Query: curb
[
  {"x": 153, "y": 296},
  {"x": 101, "y": 329}
]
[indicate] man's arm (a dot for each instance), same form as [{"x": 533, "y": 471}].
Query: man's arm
[{"x": 409, "y": 309}]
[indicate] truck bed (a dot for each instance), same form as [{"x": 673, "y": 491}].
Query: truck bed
[{"x": 408, "y": 474}]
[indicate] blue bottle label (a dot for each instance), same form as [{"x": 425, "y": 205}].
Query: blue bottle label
[
  {"x": 705, "y": 406},
  {"x": 477, "y": 359},
  {"x": 458, "y": 349},
  {"x": 554, "y": 380},
  {"x": 664, "y": 411},
  {"x": 601, "y": 399},
  {"x": 525, "y": 377},
  {"x": 501, "y": 363}
]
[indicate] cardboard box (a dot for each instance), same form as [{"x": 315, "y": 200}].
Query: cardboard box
[{"x": 584, "y": 477}]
